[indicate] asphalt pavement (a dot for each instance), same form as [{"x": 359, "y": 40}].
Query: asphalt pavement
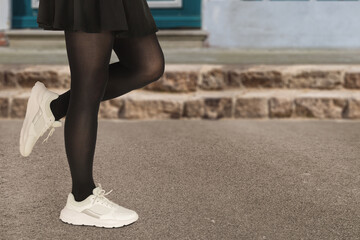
[{"x": 194, "y": 179}]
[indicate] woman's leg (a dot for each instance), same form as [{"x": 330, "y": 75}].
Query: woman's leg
[
  {"x": 89, "y": 56},
  {"x": 141, "y": 62}
]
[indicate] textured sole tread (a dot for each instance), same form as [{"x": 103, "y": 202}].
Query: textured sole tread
[{"x": 95, "y": 225}]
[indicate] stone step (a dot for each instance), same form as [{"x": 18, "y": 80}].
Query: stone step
[
  {"x": 196, "y": 77},
  {"x": 231, "y": 103},
  {"x": 40, "y": 39},
  {"x": 208, "y": 55}
]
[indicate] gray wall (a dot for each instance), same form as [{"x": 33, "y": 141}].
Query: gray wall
[{"x": 282, "y": 24}]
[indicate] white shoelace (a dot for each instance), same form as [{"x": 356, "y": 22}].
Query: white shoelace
[
  {"x": 54, "y": 125},
  {"x": 101, "y": 195}
]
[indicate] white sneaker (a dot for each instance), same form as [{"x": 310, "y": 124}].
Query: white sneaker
[
  {"x": 38, "y": 118},
  {"x": 96, "y": 210}
]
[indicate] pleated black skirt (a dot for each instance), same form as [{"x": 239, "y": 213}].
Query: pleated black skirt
[{"x": 127, "y": 18}]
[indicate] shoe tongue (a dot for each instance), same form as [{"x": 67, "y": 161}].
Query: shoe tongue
[
  {"x": 57, "y": 124},
  {"x": 96, "y": 190}
]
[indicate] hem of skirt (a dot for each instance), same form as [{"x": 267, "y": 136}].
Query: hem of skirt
[{"x": 119, "y": 33}]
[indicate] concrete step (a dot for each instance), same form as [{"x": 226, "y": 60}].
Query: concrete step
[
  {"x": 179, "y": 78},
  {"x": 40, "y": 39},
  {"x": 231, "y": 103},
  {"x": 201, "y": 55}
]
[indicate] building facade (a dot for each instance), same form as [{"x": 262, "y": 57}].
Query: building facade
[
  {"x": 239, "y": 23},
  {"x": 282, "y": 23}
]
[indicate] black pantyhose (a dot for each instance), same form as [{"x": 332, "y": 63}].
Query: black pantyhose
[
  {"x": 94, "y": 80},
  {"x": 141, "y": 62}
]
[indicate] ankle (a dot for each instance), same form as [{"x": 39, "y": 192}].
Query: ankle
[
  {"x": 53, "y": 109},
  {"x": 81, "y": 197},
  {"x": 81, "y": 193}
]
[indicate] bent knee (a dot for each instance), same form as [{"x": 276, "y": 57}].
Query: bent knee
[{"x": 154, "y": 70}]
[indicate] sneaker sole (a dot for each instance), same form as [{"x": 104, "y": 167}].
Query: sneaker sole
[
  {"x": 73, "y": 217},
  {"x": 28, "y": 142},
  {"x": 29, "y": 115}
]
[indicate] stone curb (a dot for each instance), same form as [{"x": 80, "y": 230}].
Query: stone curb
[
  {"x": 254, "y": 103},
  {"x": 191, "y": 78}
]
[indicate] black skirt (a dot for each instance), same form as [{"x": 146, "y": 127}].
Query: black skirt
[{"x": 127, "y": 18}]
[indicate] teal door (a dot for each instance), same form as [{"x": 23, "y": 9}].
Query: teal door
[
  {"x": 24, "y": 14},
  {"x": 176, "y": 13},
  {"x": 167, "y": 13}
]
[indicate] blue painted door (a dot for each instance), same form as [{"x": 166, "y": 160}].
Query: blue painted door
[
  {"x": 167, "y": 13},
  {"x": 176, "y": 13},
  {"x": 24, "y": 14}
]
